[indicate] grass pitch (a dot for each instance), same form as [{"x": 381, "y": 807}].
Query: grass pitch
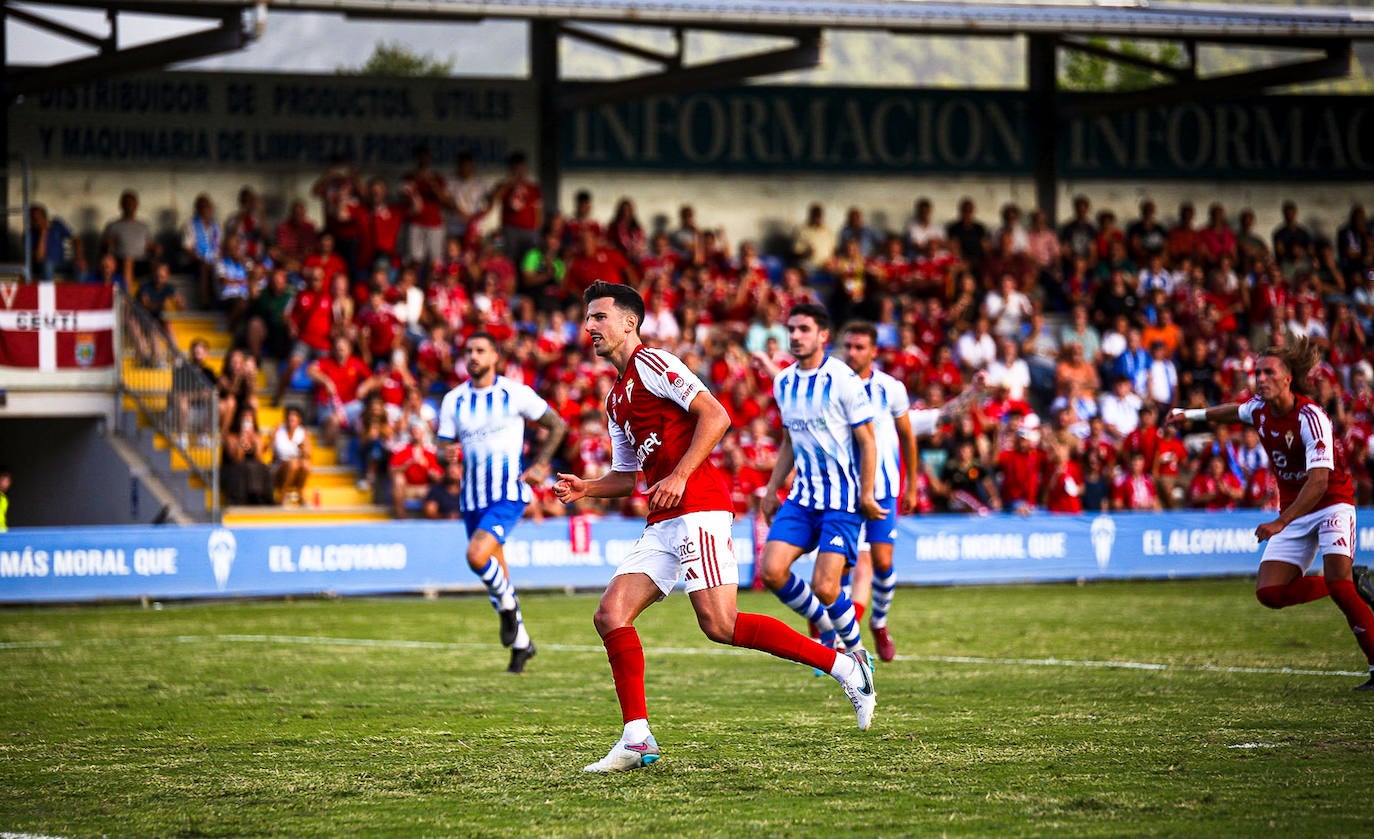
[{"x": 393, "y": 717}]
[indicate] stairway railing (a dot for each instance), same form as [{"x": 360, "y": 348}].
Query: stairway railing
[{"x": 172, "y": 395}]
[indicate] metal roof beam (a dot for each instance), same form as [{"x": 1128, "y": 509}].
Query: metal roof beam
[
  {"x": 1177, "y": 73},
  {"x": 1335, "y": 64},
  {"x": 577, "y": 33},
  {"x": 228, "y": 36},
  {"x": 71, "y": 33},
  {"x": 803, "y": 55}
]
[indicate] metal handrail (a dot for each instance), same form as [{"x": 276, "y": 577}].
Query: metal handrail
[{"x": 171, "y": 395}]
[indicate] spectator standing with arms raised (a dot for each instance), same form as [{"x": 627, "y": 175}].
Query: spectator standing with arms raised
[
  {"x": 1316, "y": 496},
  {"x": 664, "y": 421},
  {"x": 485, "y": 417},
  {"x": 522, "y": 207}
]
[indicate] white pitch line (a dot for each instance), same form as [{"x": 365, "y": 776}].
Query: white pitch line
[{"x": 385, "y": 643}]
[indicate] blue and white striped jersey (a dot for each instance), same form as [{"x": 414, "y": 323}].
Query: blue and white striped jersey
[
  {"x": 890, "y": 400},
  {"x": 820, "y": 409},
  {"x": 489, "y": 423}
]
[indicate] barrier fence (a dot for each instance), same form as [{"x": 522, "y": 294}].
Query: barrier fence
[{"x": 78, "y": 564}]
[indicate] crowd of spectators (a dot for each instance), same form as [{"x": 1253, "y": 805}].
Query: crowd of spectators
[{"x": 1088, "y": 333}]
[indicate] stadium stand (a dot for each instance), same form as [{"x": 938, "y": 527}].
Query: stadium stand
[{"x": 1175, "y": 315}]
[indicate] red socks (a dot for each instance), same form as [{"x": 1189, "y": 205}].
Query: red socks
[
  {"x": 627, "y": 668},
  {"x": 1357, "y": 614},
  {"x": 1307, "y": 589},
  {"x": 1301, "y": 590},
  {"x": 761, "y": 632}
]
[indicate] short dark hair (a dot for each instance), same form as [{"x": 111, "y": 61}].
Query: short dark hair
[
  {"x": 815, "y": 311},
  {"x": 625, "y": 298},
  {"x": 862, "y": 327},
  {"x": 515, "y": 158},
  {"x": 496, "y": 345}
]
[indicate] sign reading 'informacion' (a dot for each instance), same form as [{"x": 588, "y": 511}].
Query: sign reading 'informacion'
[
  {"x": 218, "y": 120},
  {"x": 883, "y": 130}
]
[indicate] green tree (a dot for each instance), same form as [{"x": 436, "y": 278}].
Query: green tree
[
  {"x": 1081, "y": 71},
  {"x": 393, "y": 58}
]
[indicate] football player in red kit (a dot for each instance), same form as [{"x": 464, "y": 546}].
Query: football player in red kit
[
  {"x": 1316, "y": 497},
  {"x": 665, "y": 422}
]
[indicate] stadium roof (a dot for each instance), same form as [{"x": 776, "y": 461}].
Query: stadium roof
[{"x": 1133, "y": 18}]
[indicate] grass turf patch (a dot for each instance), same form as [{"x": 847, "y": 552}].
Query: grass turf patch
[{"x": 386, "y": 717}]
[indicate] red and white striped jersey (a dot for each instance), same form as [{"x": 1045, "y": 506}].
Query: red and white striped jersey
[
  {"x": 651, "y": 429},
  {"x": 1299, "y": 441}
]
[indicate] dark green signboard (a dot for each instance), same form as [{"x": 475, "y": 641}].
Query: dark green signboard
[{"x": 875, "y": 131}]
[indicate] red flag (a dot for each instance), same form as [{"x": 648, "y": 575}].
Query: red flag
[{"x": 52, "y": 326}]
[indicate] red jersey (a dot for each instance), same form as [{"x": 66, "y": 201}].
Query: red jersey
[
  {"x": 346, "y": 377},
  {"x": 1134, "y": 492},
  {"x": 520, "y": 208},
  {"x": 1298, "y": 441},
  {"x": 1020, "y": 476},
  {"x": 312, "y": 313},
  {"x": 419, "y": 464},
  {"x": 1205, "y": 492},
  {"x": 1064, "y": 489},
  {"x": 651, "y": 429}
]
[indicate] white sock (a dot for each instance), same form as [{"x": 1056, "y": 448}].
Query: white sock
[
  {"x": 522, "y": 638},
  {"x": 844, "y": 667},
  {"x": 636, "y": 731}
]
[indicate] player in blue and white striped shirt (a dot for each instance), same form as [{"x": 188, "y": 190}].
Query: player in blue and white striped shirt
[
  {"x": 893, "y": 436},
  {"x": 828, "y": 437},
  {"x": 486, "y": 416}
]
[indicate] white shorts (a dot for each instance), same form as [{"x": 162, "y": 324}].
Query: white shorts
[
  {"x": 694, "y": 547},
  {"x": 1330, "y": 530}
]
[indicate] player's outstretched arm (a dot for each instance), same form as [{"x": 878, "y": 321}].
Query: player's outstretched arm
[
  {"x": 1224, "y": 414},
  {"x": 571, "y": 488}
]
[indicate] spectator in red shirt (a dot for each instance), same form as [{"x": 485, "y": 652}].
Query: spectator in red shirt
[
  {"x": 310, "y": 321},
  {"x": 380, "y": 222},
  {"x": 1135, "y": 490},
  {"x": 522, "y": 207},
  {"x": 342, "y": 381},
  {"x": 1170, "y": 457},
  {"x": 1020, "y": 469},
  {"x": 1063, "y": 481},
  {"x": 1216, "y": 239},
  {"x": 296, "y": 237},
  {"x": 414, "y": 467},
  {"x": 1182, "y": 239},
  {"x": 339, "y": 190},
  {"x": 1215, "y": 487},
  {"x": 581, "y": 222},
  {"x": 428, "y": 192},
  {"x": 327, "y": 259},
  {"x": 1145, "y": 437},
  {"x": 379, "y": 330},
  {"x": 597, "y": 262}
]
